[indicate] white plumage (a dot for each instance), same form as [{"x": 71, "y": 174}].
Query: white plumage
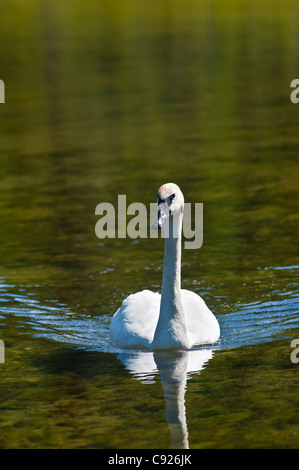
[{"x": 177, "y": 318}]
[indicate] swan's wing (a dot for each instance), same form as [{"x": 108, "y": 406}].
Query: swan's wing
[
  {"x": 202, "y": 326},
  {"x": 134, "y": 323}
]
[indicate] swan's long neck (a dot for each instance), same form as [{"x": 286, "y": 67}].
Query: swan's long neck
[
  {"x": 171, "y": 284},
  {"x": 171, "y": 327}
]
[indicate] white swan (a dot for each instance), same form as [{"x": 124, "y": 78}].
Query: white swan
[{"x": 177, "y": 318}]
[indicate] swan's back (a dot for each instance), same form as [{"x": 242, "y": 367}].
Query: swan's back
[{"x": 134, "y": 323}]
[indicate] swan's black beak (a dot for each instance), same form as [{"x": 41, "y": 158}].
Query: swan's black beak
[
  {"x": 163, "y": 211},
  {"x": 163, "y": 214}
]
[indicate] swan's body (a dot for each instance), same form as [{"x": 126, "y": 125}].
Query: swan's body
[
  {"x": 135, "y": 322},
  {"x": 177, "y": 318}
]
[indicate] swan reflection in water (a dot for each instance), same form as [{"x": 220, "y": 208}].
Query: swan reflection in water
[{"x": 174, "y": 368}]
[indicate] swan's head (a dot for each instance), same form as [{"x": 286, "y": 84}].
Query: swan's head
[{"x": 170, "y": 203}]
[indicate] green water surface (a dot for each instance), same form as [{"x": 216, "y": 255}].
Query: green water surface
[{"x": 118, "y": 97}]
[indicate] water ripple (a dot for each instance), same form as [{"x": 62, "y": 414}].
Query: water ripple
[{"x": 252, "y": 323}]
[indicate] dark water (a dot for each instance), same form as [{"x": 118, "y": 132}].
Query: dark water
[{"x": 118, "y": 98}]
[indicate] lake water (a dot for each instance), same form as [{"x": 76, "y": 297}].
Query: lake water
[{"x": 111, "y": 98}]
